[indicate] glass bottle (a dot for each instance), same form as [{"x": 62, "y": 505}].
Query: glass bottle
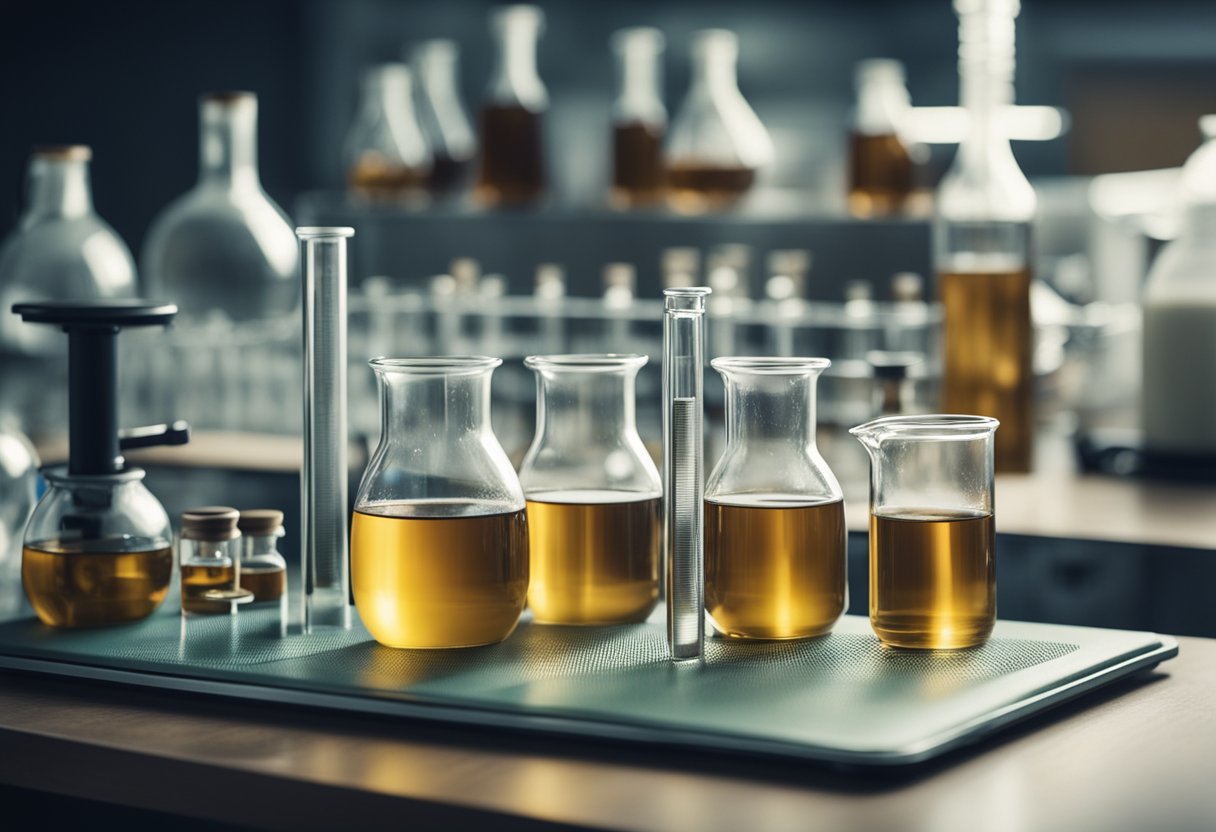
[
  {"x": 593, "y": 494},
  {"x": 209, "y": 559},
  {"x": 263, "y": 569},
  {"x": 441, "y": 112},
  {"x": 439, "y": 541},
  {"x": 224, "y": 245},
  {"x": 511, "y": 169},
  {"x": 61, "y": 249},
  {"x": 775, "y": 538},
  {"x": 882, "y": 174},
  {"x": 1178, "y": 400},
  {"x": 932, "y": 533},
  {"x": 387, "y": 155},
  {"x": 982, "y": 247},
  {"x": 717, "y": 142},
  {"x": 639, "y": 118}
]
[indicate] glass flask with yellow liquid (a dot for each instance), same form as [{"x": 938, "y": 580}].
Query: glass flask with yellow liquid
[
  {"x": 932, "y": 535},
  {"x": 775, "y": 543},
  {"x": 593, "y": 494},
  {"x": 439, "y": 539}
]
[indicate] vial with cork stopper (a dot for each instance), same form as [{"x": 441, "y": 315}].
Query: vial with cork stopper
[
  {"x": 208, "y": 556},
  {"x": 263, "y": 570}
]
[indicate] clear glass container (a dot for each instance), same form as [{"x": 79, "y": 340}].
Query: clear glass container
[
  {"x": 263, "y": 569},
  {"x": 932, "y": 534},
  {"x": 439, "y": 540},
  {"x": 19, "y": 484},
  {"x": 639, "y": 119},
  {"x": 210, "y": 563},
  {"x": 511, "y": 169},
  {"x": 387, "y": 155},
  {"x": 224, "y": 246},
  {"x": 882, "y": 173},
  {"x": 982, "y": 251},
  {"x": 593, "y": 494},
  {"x": 441, "y": 112},
  {"x": 717, "y": 143},
  {"x": 61, "y": 249},
  {"x": 775, "y": 539}
]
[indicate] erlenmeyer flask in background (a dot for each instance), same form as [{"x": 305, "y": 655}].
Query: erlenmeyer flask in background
[
  {"x": 882, "y": 174},
  {"x": 387, "y": 155},
  {"x": 717, "y": 142},
  {"x": 511, "y": 167},
  {"x": 445, "y": 124},
  {"x": 19, "y": 465},
  {"x": 639, "y": 118},
  {"x": 224, "y": 245},
  {"x": 61, "y": 249}
]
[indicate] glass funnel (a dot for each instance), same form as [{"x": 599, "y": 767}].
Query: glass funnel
[
  {"x": 439, "y": 541},
  {"x": 775, "y": 548},
  {"x": 593, "y": 494},
  {"x": 932, "y": 539}
]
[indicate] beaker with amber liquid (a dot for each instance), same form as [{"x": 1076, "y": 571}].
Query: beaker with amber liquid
[
  {"x": 775, "y": 544},
  {"x": 932, "y": 534},
  {"x": 439, "y": 540},
  {"x": 593, "y": 494}
]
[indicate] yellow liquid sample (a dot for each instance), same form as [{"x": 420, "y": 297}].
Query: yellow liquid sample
[
  {"x": 102, "y": 582},
  {"x": 594, "y": 555},
  {"x": 987, "y": 357},
  {"x": 881, "y": 175},
  {"x": 697, "y": 188},
  {"x": 266, "y": 582},
  {"x": 458, "y": 579},
  {"x": 774, "y": 569},
  {"x": 198, "y": 579},
  {"x": 932, "y": 578}
]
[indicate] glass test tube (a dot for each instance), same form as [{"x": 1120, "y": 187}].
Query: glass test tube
[
  {"x": 323, "y": 480},
  {"x": 683, "y": 458}
]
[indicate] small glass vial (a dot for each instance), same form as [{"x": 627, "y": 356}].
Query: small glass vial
[
  {"x": 881, "y": 170},
  {"x": 639, "y": 119},
  {"x": 262, "y": 569},
  {"x": 387, "y": 154},
  {"x": 209, "y": 556}
]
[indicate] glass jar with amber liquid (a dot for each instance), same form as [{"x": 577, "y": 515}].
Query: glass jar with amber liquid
[
  {"x": 882, "y": 172},
  {"x": 639, "y": 119},
  {"x": 209, "y": 559}
]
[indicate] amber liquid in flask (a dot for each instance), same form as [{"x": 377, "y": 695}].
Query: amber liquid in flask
[
  {"x": 637, "y": 164},
  {"x": 932, "y": 577},
  {"x": 267, "y": 583},
  {"x": 435, "y": 575},
  {"x": 882, "y": 175},
  {"x": 774, "y": 569},
  {"x": 374, "y": 177},
  {"x": 693, "y": 188},
  {"x": 74, "y": 584},
  {"x": 988, "y": 342},
  {"x": 594, "y": 555},
  {"x": 512, "y": 164}
]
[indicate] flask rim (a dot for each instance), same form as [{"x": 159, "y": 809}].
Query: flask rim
[
  {"x": 770, "y": 365},
  {"x": 930, "y": 426},
  {"x": 586, "y": 362},
  {"x": 445, "y": 365}
]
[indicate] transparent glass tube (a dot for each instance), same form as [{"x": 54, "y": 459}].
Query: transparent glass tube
[
  {"x": 683, "y": 461},
  {"x": 323, "y": 480}
]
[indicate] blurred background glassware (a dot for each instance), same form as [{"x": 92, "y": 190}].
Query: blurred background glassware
[
  {"x": 593, "y": 494},
  {"x": 441, "y": 113},
  {"x": 439, "y": 540},
  {"x": 932, "y": 533},
  {"x": 387, "y": 155},
  {"x": 512, "y": 169},
  {"x": 639, "y": 119},
  {"x": 19, "y": 465},
  {"x": 224, "y": 246},
  {"x": 775, "y": 544},
  {"x": 882, "y": 173},
  {"x": 717, "y": 143},
  {"x": 61, "y": 249}
]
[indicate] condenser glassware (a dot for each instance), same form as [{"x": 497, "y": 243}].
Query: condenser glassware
[
  {"x": 932, "y": 534},
  {"x": 323, "y": 489},
  {"x": 683, "y": 463},
  {"x": 593, "y": 494},
  {"x": 639, "y": 119},
  {"x": 441, "y": 113},
  {"x": 387, "y": 155},
  {"x": 775, "y": 538},
  {"x": 982, "y": 250}
]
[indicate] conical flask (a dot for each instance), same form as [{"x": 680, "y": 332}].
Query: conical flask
[{"x": 387, "y": 155}]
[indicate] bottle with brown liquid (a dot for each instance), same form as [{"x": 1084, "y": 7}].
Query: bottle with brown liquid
[
  {"x": 593, "y": 494},
  {"x": 439, "y": 539},
  {"x": 775, "y": 545},
  {"x": 209, "y": 559},
  {"x": 882, "y": 174},
  {"x": 263, "y": 570},
  {"x": 511, "y": 169},
  {"x": 982, "y": 250},
  {"x": 932, "y": 535},
  {"x": 717, "y": 142},
  {"x": 441, "y": 111},
  {"x": 639, "y": 119},
  {"x": 387, "y": 156}
]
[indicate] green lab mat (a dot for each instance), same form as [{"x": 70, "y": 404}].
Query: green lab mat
[{"x": 841, "y": 698}]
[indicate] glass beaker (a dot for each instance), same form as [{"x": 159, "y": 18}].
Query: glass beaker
[
  {"x": 439, "y": 540},
  {"x": 932, "y": 538},
  {"x": 593, "y": 494},
  {"x": 775, "y": 547}
]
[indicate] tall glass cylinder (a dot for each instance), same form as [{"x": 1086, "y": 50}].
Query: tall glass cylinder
[
  {"x": 982, "y": 246},
  {"x": 323, "y": 480}
]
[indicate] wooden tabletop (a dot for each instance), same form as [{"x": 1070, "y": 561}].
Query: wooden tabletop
[{"x": 1139, "y": 755}]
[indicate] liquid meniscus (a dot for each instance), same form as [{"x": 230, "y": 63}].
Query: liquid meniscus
[{"x": 267, "y": 582}]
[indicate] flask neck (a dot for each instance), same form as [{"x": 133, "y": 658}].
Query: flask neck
[
  {"x": 882, "y": 99},
  {"x": 228, "y": 154},
  {"x": 639, "y": 71},
  {"x": 415, "y": 408},
  {"x": 770, "y": 409},
  {"x": 576, "y": 409},
  {"x": 516, "y": 79},
  {"x": 58, "y": 188},
  {"x": 715, "y": 68}
]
